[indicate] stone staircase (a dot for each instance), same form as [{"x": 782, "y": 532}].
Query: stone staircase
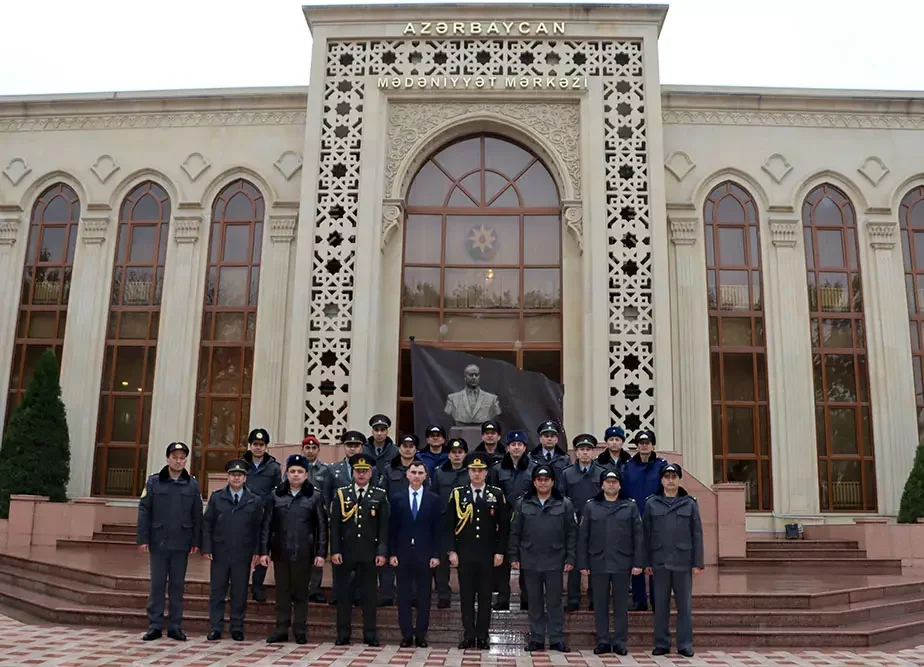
[{"x": 810, "y": 556}]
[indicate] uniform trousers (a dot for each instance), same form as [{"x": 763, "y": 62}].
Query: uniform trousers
[
  {"x": 546, "y": 613},
  {"x": 475, "y": 579},
  {"x": 387, "y": 582},
  {"x": 441, "y": 574},
  {"x": 365, "y": 588},
  {"x": 167, "y": 565},
  {"x": 681, "y": 583},
  {"x": 413, "y": 578},
  {"x": 639, "y": 593},
  {"x": 259, "y": 576},
  {"x": 293, "y": 578},
  {"x": 315, "y": 587},
  {"x": 574, "y": 588},
  {"x": 222, "y": 572},
  {"x": 602, "y": 585}
]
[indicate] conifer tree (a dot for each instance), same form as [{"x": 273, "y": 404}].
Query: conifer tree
[{"x": 912, "y": 505}]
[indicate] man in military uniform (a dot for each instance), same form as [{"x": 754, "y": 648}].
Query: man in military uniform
[
  {"x": 318, "y": 472},
  {"x": 543, "y": 542},
  {"x": 514, "y": 475},
  {"x": 580, "y": 482},
  {"x": 614, "y": 457},
  {"x": 448, "y": 476},
  {"x": 434, "y": 455},
  {"x": 476, "y": 529},
  {"x": 548, "y": 451},
  {"x": 673, "y": 554},
  {"x": 379, "y": 445},
  {"x": 359, "y": 544},
  {"x": 263, "y": 476},
  {"x": 610, "y": 547},
  {"x": 341, "y": 474},
  {"x": 491, "y": 442},
  {"x": 231, "y": 540},
  {"x": 169, "y": 529}
]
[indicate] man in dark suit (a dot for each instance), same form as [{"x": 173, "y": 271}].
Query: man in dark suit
[{"x": 414, "y": 533}]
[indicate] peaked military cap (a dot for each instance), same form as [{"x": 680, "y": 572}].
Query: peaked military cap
[
  {"x": 548, "y": 426},
  {"x": 614, "y": 432},
  {"x": 584, "y": 440},
  {"x": 311, "y": 440},
  {"x": 297, "y": 460},
  {"x": 476, "y": 461},
  {"x": 259, "y": 435},
  {"x": 410, "y": 438},
  {"x": 544, "y": 471},
  {"x": 177, "y": 447},
  {"x": 236, "y": 465},
  {"x": 517, "y": 436},
  {"x": 362, "y": 461},
  {"x": 377, "y": 421},
  {"x": 672, "y": 467},
  {"x": 490, "y": 425},
  {"x": 433, "y": 429},
  {"x": 353, "y": 438},
  {"x": 460, "y": 443},
  {"x": 610, "y": 474}
]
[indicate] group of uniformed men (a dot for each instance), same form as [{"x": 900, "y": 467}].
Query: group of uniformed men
[{"x": 388, "y": 510}]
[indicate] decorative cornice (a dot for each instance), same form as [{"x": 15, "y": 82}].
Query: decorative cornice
[
  {"x": 187, "y": 222},
  {"x": 136, "y": 121},
  {"x": 683, "y": 230},
  {"x": 883, "y": 234},
  {"x": 392, "y": 213},
  {"x": 282, "y": 226},
  {"x": 784, "y": 231},
  {"x": 792, "y": 119},
  {"x": 93, "y": 228},
  {"x": 573, "y": 214},
  {"x": 10, "y": 222}
]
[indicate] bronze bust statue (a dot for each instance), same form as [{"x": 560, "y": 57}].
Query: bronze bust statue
[{"x": 472, "y": 406}]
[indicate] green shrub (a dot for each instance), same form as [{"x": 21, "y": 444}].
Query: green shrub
[{"x": 912, "y": 506}]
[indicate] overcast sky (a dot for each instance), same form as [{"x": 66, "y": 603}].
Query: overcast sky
[{"x": 63, "y": 46}]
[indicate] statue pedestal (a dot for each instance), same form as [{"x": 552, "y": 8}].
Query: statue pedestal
[{"x": 471, "y": 435}]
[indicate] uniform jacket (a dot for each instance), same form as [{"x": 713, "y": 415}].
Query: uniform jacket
[
  {"x": 640, "y": 480},
  {"x": 389, "y": 451},
  {"x": 580, "y": 486},
  {"x": 499, "y": 452},
  {"x": 229, "y": 532},
  {"x": 476, "y": 531},
  {"x": 514, "y": 480},
  {"x": 543, "y": 537},
  {"x": 359, "y": 532},
  {"x": 264, "y": 479},
  {"x": 318, "y": 474},
  {"x": 170, "y": 512},
  {"x": 294, "y": 527},
  {"x": 673, "y": 533},
  {"x": 445, "y": 479},
  {"x": 394, "y": 477},
  {"x": 560, "y": 458},
  {"x": 338, "y": 474},
  {"x": 605, "y": 461},
  {"x": 425, "y": 530},
  {"x": 431, "y": 460},
  {"x": 610, "y": 536}
]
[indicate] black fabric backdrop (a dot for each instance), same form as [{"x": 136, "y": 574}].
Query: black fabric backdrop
[{"x": 526, "y": 398}]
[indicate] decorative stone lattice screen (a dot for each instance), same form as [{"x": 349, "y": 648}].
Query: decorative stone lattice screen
[{"x": 619, "y": 64}]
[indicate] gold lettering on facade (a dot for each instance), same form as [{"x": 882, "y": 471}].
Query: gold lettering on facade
[
  {"x": 484, "y": 82},
  {"x": 477, "y": 28}
]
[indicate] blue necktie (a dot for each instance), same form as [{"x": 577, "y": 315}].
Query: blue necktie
[{"x": 414, "y": 505}]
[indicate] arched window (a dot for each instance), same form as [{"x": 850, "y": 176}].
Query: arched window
[
  {"x": 482, "y": 259},
  {"x": 843, "y": 427},
  {"x": 46, "y": 285},
  {"x": 229, "y": 322},
  {"x": 911, "y": 222},
  {"x": 738, "y": 360},
  {"x": 131, "y": 343}
]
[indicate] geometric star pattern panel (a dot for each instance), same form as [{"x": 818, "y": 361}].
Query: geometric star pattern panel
[{"x": 630, "y": 319}]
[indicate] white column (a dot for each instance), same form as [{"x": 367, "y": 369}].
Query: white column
[
  {"x": 693, "y": 437},
  {"x": 85, "y": 341},
  {"x": 894, "y": 413},
  {"x": 265, "y": 408},
  {"x": 176, "y": 370},
  {"x": 12, "y": 255},
  {"x": 793, "y": 451}
]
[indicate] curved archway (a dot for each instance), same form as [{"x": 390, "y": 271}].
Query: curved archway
[
  {"x": 911, "y": 225},
  {"x": 482, "y": 259}
]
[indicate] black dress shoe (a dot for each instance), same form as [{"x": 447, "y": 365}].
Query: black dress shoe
[
  {"x": 372, "y": 641},
  {"x": 278, "y": 637},
  {"x": 342, "y": 641},
  {"x": 602, "y": 648},
  {"x": 501, "y": 606},
  {"x": 685, "y": 652},
  {"x": 561, "y": 647},
  {"x": 151, "y": 635},
  {"x": 407, "y": 642},
  {"x": 357, "y": 603},
  {"x": 213, "y": 635},
  {"x": 421, "y": 642},
  {"x": 534, "y": 646},
  {"x": 572, "y": 606},
  {"x": 301, "y": 638},
  {"x": 237, "y": 635},
  {"x": 524, "y": 606},
  {"x": 482, "y": 644},
  {"x": 259, "y": 596},
  {"x": 660, "y": 651},
  {"x": 443, "y": 604},
  {"x": 178, "y": 635},
  {"x": 590, "y": 606},
  {"x": 639, "y": 606},
  {"x": 317, "y": 597},
  {"x": 467, "y": 643},
  {"x": 387, "y": 603},
  {"x": 620, "y": 650}
]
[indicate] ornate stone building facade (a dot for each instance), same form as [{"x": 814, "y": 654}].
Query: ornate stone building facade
[{"x": 737, "y": 269}]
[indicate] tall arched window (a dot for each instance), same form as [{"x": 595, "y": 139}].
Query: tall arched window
[
  {"x": 482, "y": 259},
  {"x": 738, "y": 360},
  {"x": 46, "y": 285},
  {"x": 843, "y": 428},
  {"x": 131, "y": 343},
  {"x": 911, "y": 221},
  {"x": 229, "y": 322}
]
